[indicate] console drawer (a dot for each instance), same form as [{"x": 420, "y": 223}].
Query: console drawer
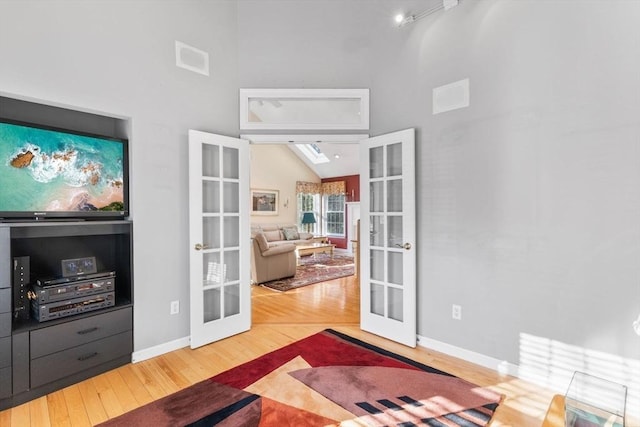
[
  {"x": 5, "y": 382},
  {"x": 5, "y": 352},
  {"x": 5, "y": 324},
  {"x": 5, "y": 300},
  {"x": 68, "y": 362},
  {"x": 77, "y": 332}
]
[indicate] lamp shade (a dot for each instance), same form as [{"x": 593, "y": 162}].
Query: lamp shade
[{"x": 308, "y": 218}]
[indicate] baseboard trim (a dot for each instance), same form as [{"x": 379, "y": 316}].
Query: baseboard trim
[
  {"x": 148, "y": 353},
  {"x": 501, "y": 366}
]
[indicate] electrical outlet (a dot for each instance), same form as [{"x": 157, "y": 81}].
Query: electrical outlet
[
  {"x": 175, "y": 307},
  {"x": 456, "y": 312}
]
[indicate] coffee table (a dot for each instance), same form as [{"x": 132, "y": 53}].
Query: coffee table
[{"x": 314, "y": 248}]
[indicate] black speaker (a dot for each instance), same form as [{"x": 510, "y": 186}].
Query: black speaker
[{"x": 21, "y": 287}]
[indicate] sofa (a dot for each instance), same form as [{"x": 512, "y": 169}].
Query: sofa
[
  {"x": 271, "y": 262},
  {"x": 278, "y": 234}
]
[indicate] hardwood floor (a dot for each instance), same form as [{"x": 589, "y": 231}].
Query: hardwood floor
[{"x": 278, "y": 319}]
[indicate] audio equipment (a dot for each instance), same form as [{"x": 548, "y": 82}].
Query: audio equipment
[
  {"x": 20, "y": 287},
  {"x": 78, "y": 266},
  {"x": 60, "y": 280},
  {"x": 54, "y": 310},
  {"x": 66, "y": 291}
]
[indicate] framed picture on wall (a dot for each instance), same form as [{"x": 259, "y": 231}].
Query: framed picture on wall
[{"x": 264, "y": 202}]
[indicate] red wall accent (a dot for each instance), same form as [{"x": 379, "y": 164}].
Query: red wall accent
[{"x": 352, "y": 184}]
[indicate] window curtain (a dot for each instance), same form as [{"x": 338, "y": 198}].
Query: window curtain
[
  {"x": 326, "y": 188},
  {"x": 303, "y": 187},
  {"x": 335, "y": 188}
]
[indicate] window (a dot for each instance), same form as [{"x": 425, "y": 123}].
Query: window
[
  {"x": 308, "y": 203},
  {"x": 333, "y": 213}
]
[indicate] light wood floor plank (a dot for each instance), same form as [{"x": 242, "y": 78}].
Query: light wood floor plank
[
  {"x": 148, "y": 380},
  {"x": 75, "y": 405},
  {"x": 39, "y": 412},
  {"x": 58, "y": 412},
  {"x": 92, "y": 402},
  {"x": 278, "y": 319},
  {"x": 107, "y": 396},
  {"x": 125, "y": 396},
  {"x": 20, "y": 415},
  {"x": 134, "y": 385}
]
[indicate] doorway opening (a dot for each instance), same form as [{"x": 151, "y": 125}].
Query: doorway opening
[{"x": 334, "y": 301}]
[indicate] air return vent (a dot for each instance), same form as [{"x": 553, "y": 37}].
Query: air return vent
[{"x": 190, "y": 58}]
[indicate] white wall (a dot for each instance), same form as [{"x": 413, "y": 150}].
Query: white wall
[
  {"x": 276, "y": 167},
  {"x": 529, "y": 199},
  {"x": 117, "y": 57}
]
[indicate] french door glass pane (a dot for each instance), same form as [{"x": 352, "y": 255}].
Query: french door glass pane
[
  {"x": 232, "y": 264},
  {"x": 211, "y": 232},
  {"x": 231, "y": 197},
  {"x": 231, "y": 300},
  {"x": 231, "y": 162},
  {"x": 211, "y": 302},
  {"x": 377, "y": 299},
  {"x": 395, "y": 237},
  {"x": 210, "y": 161},
  {"x": 394, "y": 195},
  {"x": 395, "y": 303},
  {"x": 213, "y": 273},
  {"x": 377, "y": 230},
  {"x": 376, "y": 198},
  {"x": 231, "y": 231},
  {"x": 210, "y": 197},
  {"x": 394, "y": 267},
  {"x": 376, "y": 165},
  {"x": 377, "y": 265},
  {"x": 394, "y": 159}
]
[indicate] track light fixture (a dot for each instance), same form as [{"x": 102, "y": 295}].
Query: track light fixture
[{"x": 402, "y": 19}]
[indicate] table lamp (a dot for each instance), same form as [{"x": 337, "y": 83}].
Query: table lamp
[{"x": 308, "y": 218}]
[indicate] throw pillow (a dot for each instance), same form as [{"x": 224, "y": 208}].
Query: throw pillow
[{"x": 290, "y": 233}]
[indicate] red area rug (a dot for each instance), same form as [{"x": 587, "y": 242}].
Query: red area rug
[
  {"x": 314, "y": 269},
  {"x": 327, "y": 379}
]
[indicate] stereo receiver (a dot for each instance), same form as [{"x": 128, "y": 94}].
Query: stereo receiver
[
  {"x": 45, "y": 294},
  {"x": 44, "y": 312}
]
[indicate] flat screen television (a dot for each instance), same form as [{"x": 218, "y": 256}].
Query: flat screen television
[{"x": 49, "y": 173}]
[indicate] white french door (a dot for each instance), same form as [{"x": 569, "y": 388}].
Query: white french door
[
  {"x": 387, "y": 236},
  {"x": 220, "y": 292}
]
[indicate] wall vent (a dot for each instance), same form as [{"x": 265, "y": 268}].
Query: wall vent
[
  {"x": 451, "y": 97},
  {"x": 192, "y": 59}
]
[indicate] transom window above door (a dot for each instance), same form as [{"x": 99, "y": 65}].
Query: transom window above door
[{"x": 289, "y": 109}]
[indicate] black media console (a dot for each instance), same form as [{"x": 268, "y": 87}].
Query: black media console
[{"x": 71, "y": 339}]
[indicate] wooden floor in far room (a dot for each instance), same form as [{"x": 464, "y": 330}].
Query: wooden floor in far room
[{"x": 278, "y": 319}]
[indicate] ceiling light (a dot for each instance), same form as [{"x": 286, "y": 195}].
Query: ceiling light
[
  {"x": 337, "y": 156},
  {"x": 403, "y": 20}
]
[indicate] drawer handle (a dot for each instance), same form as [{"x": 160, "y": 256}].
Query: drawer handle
[
  {"x": 87, "y": 356},
  {"x": 87, "y": 331}
]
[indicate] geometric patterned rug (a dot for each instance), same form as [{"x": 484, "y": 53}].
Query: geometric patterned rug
[
  {"x": 314, "y": 269},
  {"x": 327, "y": 379}
]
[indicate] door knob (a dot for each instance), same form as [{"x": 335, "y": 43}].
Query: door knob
[
  {"x": 200, "y": 246},
  {"x": 406, "y": 246}
]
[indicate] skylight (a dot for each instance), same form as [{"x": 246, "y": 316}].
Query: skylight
[{"x": 313, "y": 153}]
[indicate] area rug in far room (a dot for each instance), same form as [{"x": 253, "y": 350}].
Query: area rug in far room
[
  {"x": 314, "y": 269},
  {"x": 327, "y": 379}
]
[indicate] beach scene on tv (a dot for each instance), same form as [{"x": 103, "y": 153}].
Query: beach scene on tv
[{"x": 47, "y": 170}]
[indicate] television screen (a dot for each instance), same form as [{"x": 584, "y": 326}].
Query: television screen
[{"x": 56, "y": 173}]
